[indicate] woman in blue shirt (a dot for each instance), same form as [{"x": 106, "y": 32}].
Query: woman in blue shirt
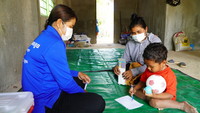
[{"x": 46, "y": 72}]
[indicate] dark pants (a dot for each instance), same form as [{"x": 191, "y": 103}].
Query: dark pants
[{"x": 78, "y": 102}]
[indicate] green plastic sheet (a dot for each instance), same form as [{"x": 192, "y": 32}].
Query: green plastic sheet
[{"x": 105, "y": 84}]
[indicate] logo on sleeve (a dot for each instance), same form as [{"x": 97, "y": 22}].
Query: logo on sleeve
[
  {"x": 25, "y": 61},
  {"x": 35, "y": 45}
]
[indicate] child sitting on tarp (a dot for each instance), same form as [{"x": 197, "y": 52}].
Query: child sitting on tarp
[
  {"x": 140, "y": 39},
  {"x": 155, "y": 56}
]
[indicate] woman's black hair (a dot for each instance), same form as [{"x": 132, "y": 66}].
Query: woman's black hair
[
  {"x": 137, "y": 21},
  {"x": 156, "y": 52},
  {"x": 60, "y": 11}
]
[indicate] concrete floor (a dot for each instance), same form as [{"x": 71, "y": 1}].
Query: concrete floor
[{"x": 191, "y": 58}]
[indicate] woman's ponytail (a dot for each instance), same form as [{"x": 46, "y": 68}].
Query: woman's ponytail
[
  {"x": 60, "y": 12},
  {"x": 137, "y": 21}
]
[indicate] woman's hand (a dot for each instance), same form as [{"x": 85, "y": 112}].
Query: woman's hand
[
  {"x": 116, "y": 70},
  {"x": 85, "y": 78},
  {"x": 127, "y": 75}
]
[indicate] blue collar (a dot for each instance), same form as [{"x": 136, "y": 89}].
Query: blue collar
[{"x": 53, "y": 31}]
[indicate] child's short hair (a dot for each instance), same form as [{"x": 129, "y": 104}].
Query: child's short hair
[{"x": 156, "y": 52}]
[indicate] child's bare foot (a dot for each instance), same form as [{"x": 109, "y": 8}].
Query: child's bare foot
[{"x": 188, "y": 108}]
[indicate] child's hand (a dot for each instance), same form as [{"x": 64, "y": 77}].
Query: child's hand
[
  {"x": 132, "y": 91},
  {"x": 116, "y": 70},
  {"x": 148, "y": 95}
]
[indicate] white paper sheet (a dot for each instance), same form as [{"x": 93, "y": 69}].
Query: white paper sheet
[{"x": 128, "y": 102}]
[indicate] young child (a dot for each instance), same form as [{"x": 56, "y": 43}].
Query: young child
[{"x": 155, "y": 55}]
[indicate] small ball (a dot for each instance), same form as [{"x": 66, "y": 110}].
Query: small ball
[{"x": 148, "y": 90}]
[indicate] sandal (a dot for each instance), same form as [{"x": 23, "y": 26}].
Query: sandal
[
  {"x": 182, "y": 64},
  {"x": 171, "y": 61}
]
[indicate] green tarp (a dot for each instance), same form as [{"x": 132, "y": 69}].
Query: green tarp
[{"x": 105, "y": 82}]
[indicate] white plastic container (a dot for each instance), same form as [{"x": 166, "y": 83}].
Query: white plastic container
[
  {"x": 122, "y": 68},
  {"x": 121, "y": 80},
  {"x": 16, "y": 102}
]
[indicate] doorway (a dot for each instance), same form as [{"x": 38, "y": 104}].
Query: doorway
[{"x": 105, "y": 21}]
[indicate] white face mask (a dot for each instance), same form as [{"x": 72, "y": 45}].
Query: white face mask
[
  {"x": 68, "y": 34},
  {"x": 139, "y": 37}
]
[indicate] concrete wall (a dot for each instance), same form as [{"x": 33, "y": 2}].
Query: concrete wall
[
  {"x": 123, "y": 10},
  {"x": 18, "y": 27},
  {"x": 162, "y": 19},
  {"x": 185, "y": 17},
  {"x": 86, "y": 13},
  {"x": 21, "y": 23},
  {"x": 153, "y": 12}
]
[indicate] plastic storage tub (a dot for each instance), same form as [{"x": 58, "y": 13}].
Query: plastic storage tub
[{"x": 16, "y": 102}]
